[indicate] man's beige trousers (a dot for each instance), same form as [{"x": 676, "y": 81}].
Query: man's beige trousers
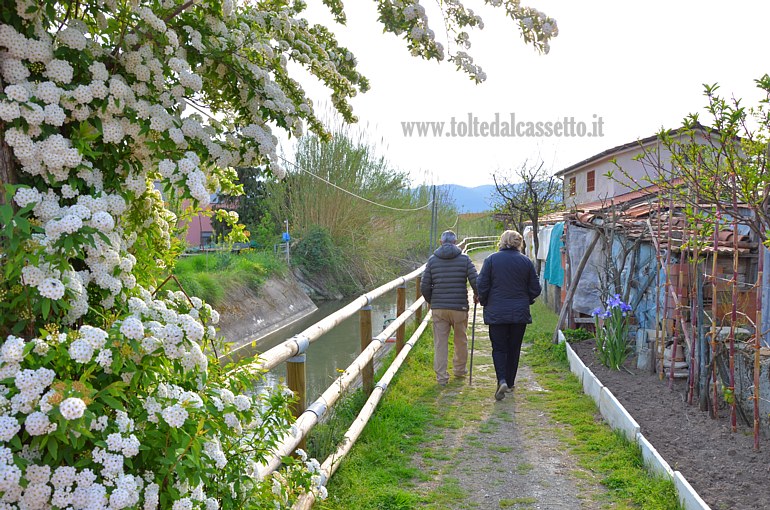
[{"x": 443, "y": 320}]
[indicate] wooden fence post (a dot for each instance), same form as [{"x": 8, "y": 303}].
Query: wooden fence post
[
  {"x": 418, "y": 295},
  {"x": 400, "y": 308},
  {"x": 295, "y": 380},
  {"x": 367, "y": 373},
  {"x": 573, "y": 285}
]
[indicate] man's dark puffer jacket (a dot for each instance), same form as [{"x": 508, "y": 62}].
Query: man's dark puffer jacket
[{"x": 443, "y": 281}]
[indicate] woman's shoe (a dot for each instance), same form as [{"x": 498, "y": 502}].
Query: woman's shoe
[{"x": 501, "y": 389}]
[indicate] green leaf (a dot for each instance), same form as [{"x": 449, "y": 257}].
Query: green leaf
[
  {"x": 113, "y": 402},
  {"x": 6, "y": 214},
  {"x": 53, "y": 448}
]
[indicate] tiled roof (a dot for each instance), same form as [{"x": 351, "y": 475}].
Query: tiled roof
[{"x": 624, "y": 147}]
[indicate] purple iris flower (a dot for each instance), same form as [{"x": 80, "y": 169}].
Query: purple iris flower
[{"x": 596, "y": 312}]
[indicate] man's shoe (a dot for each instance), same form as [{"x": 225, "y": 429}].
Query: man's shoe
[
  {"x": 442, "y": 383},
  {"x": 510, "y": 389},
  {"x": 501, "y": 389}
]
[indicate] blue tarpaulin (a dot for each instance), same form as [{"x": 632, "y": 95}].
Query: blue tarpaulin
[{"x": 554, "y": 273}]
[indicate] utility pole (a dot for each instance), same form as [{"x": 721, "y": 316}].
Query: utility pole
[
  {"x": 433, "y": 223},
  {"x": 430, "y": 242},
  {"x": 436, "y": 239}
]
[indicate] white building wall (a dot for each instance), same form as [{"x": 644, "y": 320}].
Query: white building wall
[{"x": 636, "y": 173}]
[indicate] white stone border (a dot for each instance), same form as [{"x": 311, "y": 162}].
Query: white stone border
[
  {"x": 619, "y": 419},
  {"x": 616, "y": 415}
]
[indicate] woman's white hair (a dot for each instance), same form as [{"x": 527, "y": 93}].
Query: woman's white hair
[{"x": 510, "y": 239}]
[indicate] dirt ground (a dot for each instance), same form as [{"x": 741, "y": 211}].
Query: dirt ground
[
  {"x": 507, "y": 456},
  {"x": 722, "y": 466},
  {"x": 501, "y": 454}
]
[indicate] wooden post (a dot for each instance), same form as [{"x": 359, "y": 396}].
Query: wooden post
[
  {"x": 566, "y": 284},
  {"x": 667, "y": 286},
  {"x": 734, "y": 309},
  {"x": 418, "y": 295},
  {"x": 573, "y": 286},
  {"x": 367, "y": 373},
  {"x": 295, "y": 380},
  {"x": 400, "y": 308},
  {"x": 758, "y": 340}
]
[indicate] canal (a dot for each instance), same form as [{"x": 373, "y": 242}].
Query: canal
[{"x": 331, "y": 352}]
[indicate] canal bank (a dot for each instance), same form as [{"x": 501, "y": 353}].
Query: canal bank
[
  {"x": 249, "y": 315},
  {"x": 333, "y": 351},
  {"x": 254, "y": 322}
]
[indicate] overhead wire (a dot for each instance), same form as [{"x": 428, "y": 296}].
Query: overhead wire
[{"x": 350, "y": 192}]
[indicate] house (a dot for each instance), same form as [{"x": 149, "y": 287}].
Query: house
[
  {"x": 632, "y": 166},
  {"x": 200, "y": 228},
  {"x": 200, "y": 231},
  {"x": 697, "y": 295}
]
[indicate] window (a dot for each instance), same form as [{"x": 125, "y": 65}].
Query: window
[
  {"x": 572, "y": 187},
  {"x": 591, "y": 180}
]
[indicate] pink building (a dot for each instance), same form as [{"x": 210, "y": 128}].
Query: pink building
[{"x": 200, "y": 231}]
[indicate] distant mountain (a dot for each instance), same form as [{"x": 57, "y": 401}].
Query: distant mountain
[{"x": 478, "y": 199}]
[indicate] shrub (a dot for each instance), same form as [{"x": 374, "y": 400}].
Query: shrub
[
  {"x": 577, "y": 335},
  {"x": 316, "y": 251}
]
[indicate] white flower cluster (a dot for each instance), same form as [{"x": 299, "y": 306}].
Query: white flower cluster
[
  {"x": 107, "y": 484},
  {"x": 143, "y": 95},
  {"x": 97, "y": 123},
  {"x": 465, "y": 62},
  {"x": 536, "y": 27},
  {"x": 109, "y": 264}
]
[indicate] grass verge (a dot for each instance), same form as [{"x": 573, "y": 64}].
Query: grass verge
[
  {"x": 378, "y": 473},
  {"x": 597, "y": 448},
  {"x": 212, "y": 276},
  {"x": 381, "y": 472}
]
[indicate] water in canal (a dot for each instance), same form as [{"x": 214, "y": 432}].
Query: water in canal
[{"x": 334, "y": 350}]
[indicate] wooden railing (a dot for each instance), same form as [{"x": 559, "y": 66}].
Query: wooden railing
[{"x": 292, "y": 351}]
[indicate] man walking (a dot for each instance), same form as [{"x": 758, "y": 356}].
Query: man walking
[{"x": 444, "y": 287}]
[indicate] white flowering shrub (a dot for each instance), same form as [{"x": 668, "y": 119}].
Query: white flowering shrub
[
  {"x": 132, "y": 417},
  {"x": 112, "y": 112}
]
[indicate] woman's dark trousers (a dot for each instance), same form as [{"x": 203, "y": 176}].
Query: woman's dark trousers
[{"x": 506, "y": 349}]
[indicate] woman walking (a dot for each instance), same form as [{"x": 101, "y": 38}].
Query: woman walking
[{"x": 507, "y": 286}]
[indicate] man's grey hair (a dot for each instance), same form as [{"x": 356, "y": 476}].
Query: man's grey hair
[{"x": 448, "y": 237}]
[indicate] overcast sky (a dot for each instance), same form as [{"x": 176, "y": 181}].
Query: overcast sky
[{"x": 637, "y": 65}]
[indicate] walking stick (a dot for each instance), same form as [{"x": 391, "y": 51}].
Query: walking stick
[{"x": 473, "y": 341}]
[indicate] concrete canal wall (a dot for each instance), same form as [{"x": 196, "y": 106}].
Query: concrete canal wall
[{"x": 249, "y": 315}]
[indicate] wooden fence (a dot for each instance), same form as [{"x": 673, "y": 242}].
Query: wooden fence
[{"x": 293, "y": 350}]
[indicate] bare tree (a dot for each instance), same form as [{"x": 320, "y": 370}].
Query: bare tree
[{"x": 528, "y": 194}]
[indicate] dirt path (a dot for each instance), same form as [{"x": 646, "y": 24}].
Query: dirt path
[{"x": 487, "y": 454}]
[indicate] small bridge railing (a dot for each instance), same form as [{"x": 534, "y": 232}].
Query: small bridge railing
[{"x": 293, "y": 350}]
